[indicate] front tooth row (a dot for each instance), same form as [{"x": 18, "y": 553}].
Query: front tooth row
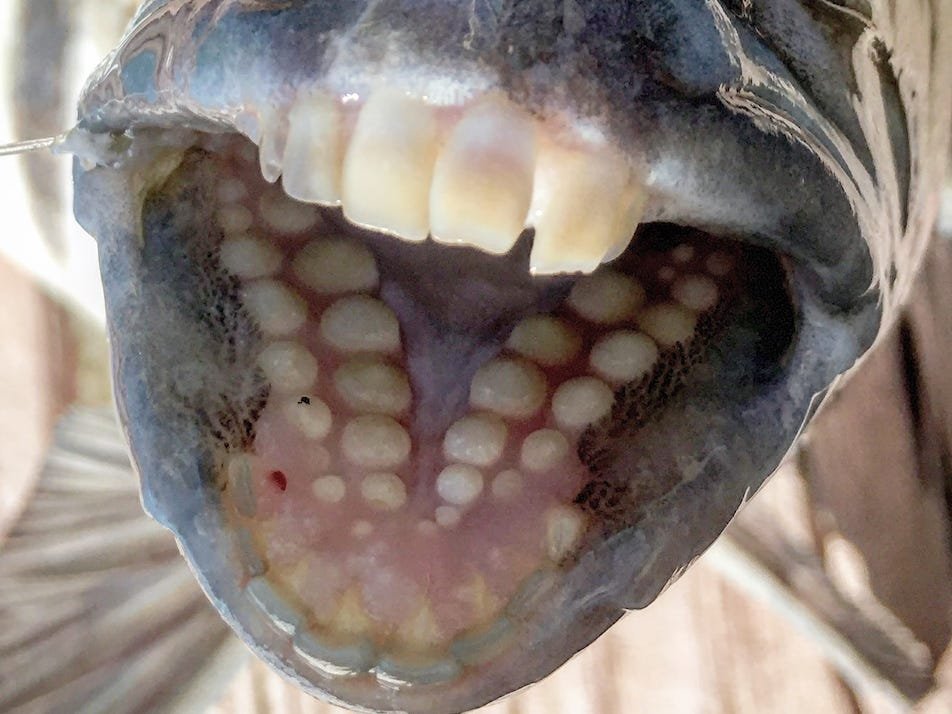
[{"x": 477, "y": 183}]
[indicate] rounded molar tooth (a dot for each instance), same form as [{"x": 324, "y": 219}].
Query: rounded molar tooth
[
  {"x": 329, "y": 489},
  {"x": 482, "y": 181},
  {"x": 375, "y": 442},
  {"x": 359, "y": 323},
  {"x": 580, "y": 402},
  {"x": 606, "y": 297},
  {"x": 668, "y": 323},
  {"x": 459, "y": 484},
  {"x": 508, "y": 387},
  {"x": 623, "y": 356},
  {"x": 545, "y": 339},
  {"x": 247, "y": 257},
  {"x": 383, "y": 491},
  {"x": 388, "y": 167},
  {"x": 288, "y": 366},
  {"x": 336, "y": 265},
  {"x": 285, "y": 214},
  {"x": 476, "y": 439},
  {"x": 586, "y": 204},
  {"x": 234, "y": 218},
  {"x": 370, "y": 385},
  {"x": 695, "y": 292},
  {"x": 313, "y": 155},
  {"x": 563, "y": 529},
  {"x": 276, "y": 308},
  {"x": 309, "y": 415},
  {"x": 543, "y": 450}
]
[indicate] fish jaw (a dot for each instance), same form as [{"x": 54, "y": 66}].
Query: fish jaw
[{"x": 241, "y": 71}]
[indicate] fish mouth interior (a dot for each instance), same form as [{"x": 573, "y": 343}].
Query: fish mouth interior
[{"x": 414, "y": 443}]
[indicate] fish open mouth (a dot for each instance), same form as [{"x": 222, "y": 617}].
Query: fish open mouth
[{"x": 430, "y": 393}]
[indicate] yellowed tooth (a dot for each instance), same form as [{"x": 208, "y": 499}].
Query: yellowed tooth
[
  {"x": 482, "y": 184},
  {"x": 271, "y": 147},
  {"x": 313, "y": 155},
  {"x": 421, "y": 631},
  {"x": 351, "y": 618},
  {"x": 585, "y": 203},
  {"x": 388, "y": 167}
]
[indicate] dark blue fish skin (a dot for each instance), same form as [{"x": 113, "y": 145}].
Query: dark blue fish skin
[{"x": 658, "y": 79}]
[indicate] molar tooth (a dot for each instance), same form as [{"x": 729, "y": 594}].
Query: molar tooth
[
  {"x": 388, "y": 168},
  {"x": 313, "y": 153},
  {"x": 668, "y": 323},
  {"x": 543, "y": 450},
  {"x": 288, "y": 366},
  {"x": 482, "y": 182},
  {"x": 459, "y": 484},
  {"x": 623, "y": 356},
  {"x": 329, "y": 489},
  {"x": 695, "y": 292},
  {"x": 383, "y": 491},
  {"x": 585, "y": 205}
]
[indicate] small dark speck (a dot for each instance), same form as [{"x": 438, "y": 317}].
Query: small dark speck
[{"x": 304, "y": 400}]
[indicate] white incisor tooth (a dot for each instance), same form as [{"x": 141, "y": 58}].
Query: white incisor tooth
[
  {"x": 271, "y": 146},
  {"x": 482, "y": 182},
  {"x": 313, "y": 155},
  {"x": 388, "y": 168},
  {"x": 585, "y": 205}
]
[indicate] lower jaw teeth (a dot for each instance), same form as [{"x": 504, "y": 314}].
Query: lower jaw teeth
[{"x": 338, "y": 471}]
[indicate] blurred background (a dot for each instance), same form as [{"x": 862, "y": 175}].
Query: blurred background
[{"x": 831, "y": 592}]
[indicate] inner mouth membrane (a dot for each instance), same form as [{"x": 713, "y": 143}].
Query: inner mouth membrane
[{"x": 399, "y": 503}]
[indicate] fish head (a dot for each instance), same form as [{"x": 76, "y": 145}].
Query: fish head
[{"x": 444, "y": 333}]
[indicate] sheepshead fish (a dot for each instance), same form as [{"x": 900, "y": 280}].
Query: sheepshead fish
[{"x": 446, "y": 332}]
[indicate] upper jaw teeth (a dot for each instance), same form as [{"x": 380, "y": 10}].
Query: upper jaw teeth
[{"x": 473, "y": 176}]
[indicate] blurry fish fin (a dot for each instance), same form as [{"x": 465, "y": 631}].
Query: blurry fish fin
[{"x": 98, "y": 611}]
